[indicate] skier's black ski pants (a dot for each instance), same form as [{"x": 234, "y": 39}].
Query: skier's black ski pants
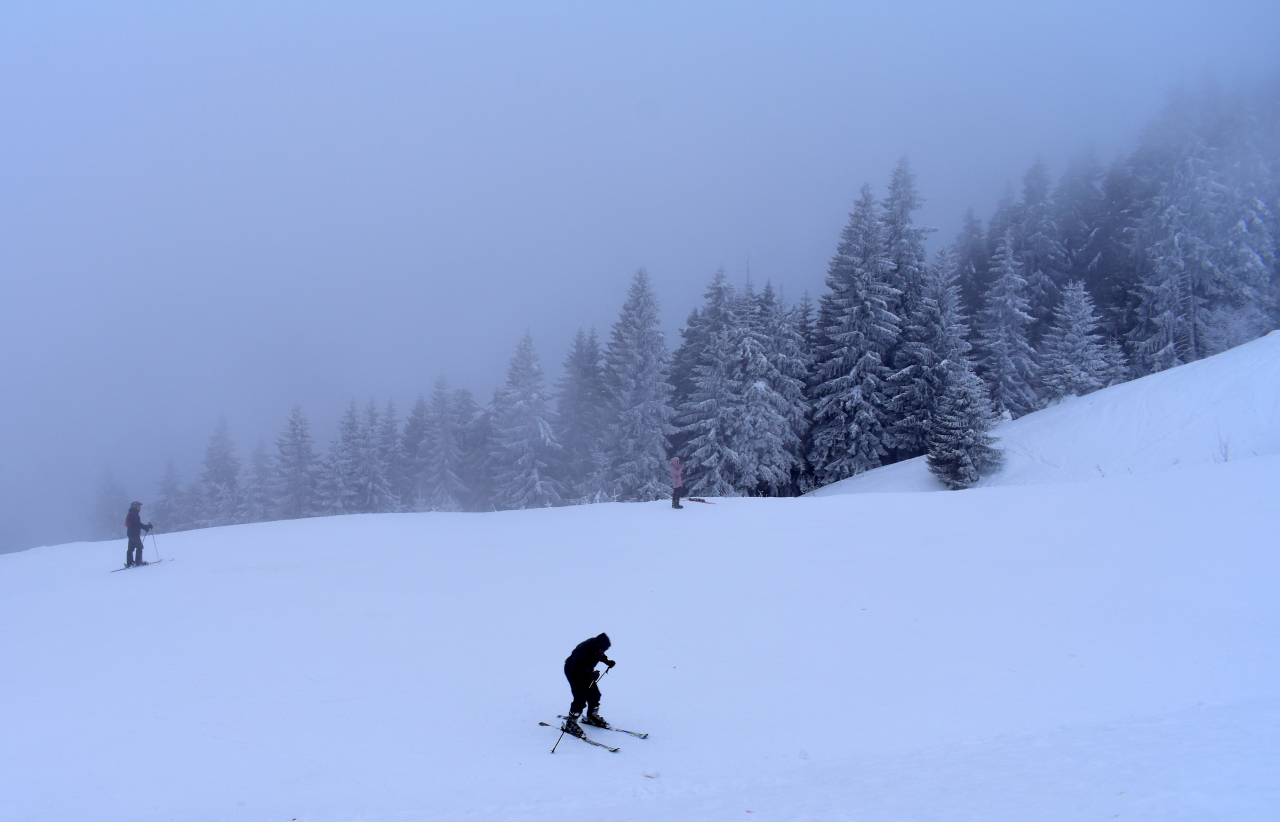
[
  {"x": 134, "y": 542},
  {"x": 585, "y": 692}
]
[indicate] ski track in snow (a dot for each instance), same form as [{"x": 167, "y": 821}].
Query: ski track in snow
[{"x": 1030, "y": 650}]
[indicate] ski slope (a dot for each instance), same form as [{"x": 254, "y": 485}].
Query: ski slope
[{"x": 1032, "y": 650}]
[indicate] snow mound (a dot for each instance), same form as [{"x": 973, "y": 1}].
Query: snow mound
[{"x": 1221, "y": 409}]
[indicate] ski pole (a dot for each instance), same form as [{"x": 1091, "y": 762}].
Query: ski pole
[
  {"x": 557, "y": 745},
  {"x": 154, "y": 548}
]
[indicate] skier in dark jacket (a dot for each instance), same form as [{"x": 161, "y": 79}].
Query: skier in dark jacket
[
  {"x": 580, "y": 670},
  {"x": 134, "y": 525}
]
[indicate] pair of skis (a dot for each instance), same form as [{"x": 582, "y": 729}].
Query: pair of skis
[
  {"x": 138, "y": 565},
  {"x": 580, "y": 734}
]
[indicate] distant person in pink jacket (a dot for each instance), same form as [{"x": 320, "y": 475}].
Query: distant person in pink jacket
[{"x": 677, "y": 482}]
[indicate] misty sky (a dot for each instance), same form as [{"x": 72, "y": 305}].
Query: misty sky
[{"x": 226, "y": 210}]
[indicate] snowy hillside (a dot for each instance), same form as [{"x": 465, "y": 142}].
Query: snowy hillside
[
  {"x": 1223, "y": 408},
  {"x": 1040, "y": 651}
]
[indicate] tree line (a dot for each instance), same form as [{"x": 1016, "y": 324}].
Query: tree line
[{"x": 1165, "y": 257}]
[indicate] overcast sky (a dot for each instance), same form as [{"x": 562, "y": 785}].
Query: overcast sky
[{"x": 229, "y": 209}]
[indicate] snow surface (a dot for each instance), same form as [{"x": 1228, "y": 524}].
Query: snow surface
[
  {"x": 1036, "y": 651},
  {"x": 1220, "y": 409}
]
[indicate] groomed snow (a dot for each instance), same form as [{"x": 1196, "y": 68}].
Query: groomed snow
[
  {"x": 1036, "y": 651},
  {"x": 1216, "y": 410}
]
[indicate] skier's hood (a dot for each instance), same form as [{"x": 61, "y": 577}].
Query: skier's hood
[{"x": 602, "y": 641}]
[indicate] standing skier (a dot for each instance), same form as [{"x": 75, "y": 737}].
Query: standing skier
[
  {"x": 677, "y": 482},
  {"x": 134, "y": 526},
  {"x": 580, "y": 670}
]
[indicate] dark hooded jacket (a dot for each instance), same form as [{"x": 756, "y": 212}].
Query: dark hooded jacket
[
  {"x": 133, "y": 524},
  {"x": 582, "y": 662}
]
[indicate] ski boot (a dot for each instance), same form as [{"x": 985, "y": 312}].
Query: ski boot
[
  {"x": 571, "y": 725},
  {"x": 594, "y": 718}
]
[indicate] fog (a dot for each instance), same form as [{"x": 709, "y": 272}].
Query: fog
[{"x": 224, "y": 211}]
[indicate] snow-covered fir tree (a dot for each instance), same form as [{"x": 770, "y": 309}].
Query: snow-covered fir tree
[
  {"x": 1038, "y": 247},
  {"x": 441, "y": 449},
  {"x": 1079, "y": 207},
  {"x": 255, "y": 494},
  {"x": 636, "y": 365},
  {"x": 1073, "y": 360},
  {"x": 338, "y": 488},
  {"x": 416, "y": 429},
  {"x": 933, "y": 344},
  {"x": 526, "y": 456},
  {"x": 475, "y": 469},
  {"x": 904, "y": 250},
  {"x": 392, "y": 455},
  {"x": 856, "y": 331},
  {"x": 773, "y": 406},
  {"x": 787, "y": 330},
  {"x": 708, "y": 418},
  {"x": 582, "y": 422},
  {"x": 1210, "y": 257},
  {"x": 960, "y": 447},
  {"x": 972, "y": 258},
  {"x": 172, "y": 509},
  {"x": 295, "y": 469},
  {"x": 1007, "y": 361},
  {"x": 371, "y": 478},
  {"x": 220, "y": 480},
  {"x": 703, "y": 323}
]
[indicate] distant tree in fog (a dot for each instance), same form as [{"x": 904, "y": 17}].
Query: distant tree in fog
[
  {"x": 295, "y": 470},
  {"x": 220, "y": 480},
  {"x": 110, "y": 508},
  {"x": 636, "y": 368}
]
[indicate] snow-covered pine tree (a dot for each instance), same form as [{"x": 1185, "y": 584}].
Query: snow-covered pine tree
[
  {"x": 636, "y": 365},
  {"x": 443, "y": 489},
  {"x": 296, "y": 467},
  {"x": 582, "y": 422},
  {"x": 220, "y": 480},
  {"x": 856, "y": 331},
  {"x": 1038, "y": 247},
  {"x": 933, "y": 344},
  {"x": 709, "y": 416},
  {"x": 903, "y": 240},
  {"x": 527, "y": 458},
  {"x": 1209, "y": 249},
  {"x": 1079, "y": 207},
  {"x": 1007, "y": 361},
  {"x": 1073, "y": 360},
  {"x": 374, "y": 492},
  {"x": 960, "y": 447},
  {"x": 337, "y": 490},
  {"x": 703, "y": 324},
  {"x": 972, "y": 258},
  {"x": 475, "y": 469},
  {"x": 392, "y": 456},
  {"x": 417, "y": 427},
  {"x": 766, "y": 436},
  {"x": 790, "y": 360},
  {"x": 255, "y": 495},
  {"x": 171, "y": 511}
]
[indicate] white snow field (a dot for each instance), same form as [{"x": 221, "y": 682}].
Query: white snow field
[{"x": 1034, "y": 651}]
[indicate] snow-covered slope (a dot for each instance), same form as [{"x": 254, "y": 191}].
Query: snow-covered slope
[
  {"x": 1051, "y": 651},
  {"x": 1216, "y": 410}
]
